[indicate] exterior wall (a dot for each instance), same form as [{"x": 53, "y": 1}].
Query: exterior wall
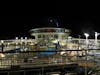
[{"x": 50, "y": 33}]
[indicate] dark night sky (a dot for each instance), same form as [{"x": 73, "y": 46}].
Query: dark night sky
[{"x": 11, "y": 26}]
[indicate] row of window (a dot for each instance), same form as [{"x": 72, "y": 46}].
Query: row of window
[
  {"x": 56, "y": 36},
  {"x": 48, "y": 36}
]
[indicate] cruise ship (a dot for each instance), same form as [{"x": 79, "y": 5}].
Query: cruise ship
[{"x": 52, "y": 52}]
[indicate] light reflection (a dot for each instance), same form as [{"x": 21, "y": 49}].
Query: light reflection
[{"x": 2, "y": 55}]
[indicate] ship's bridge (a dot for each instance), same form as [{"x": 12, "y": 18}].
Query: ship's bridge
[{"x": 50, "y": 33}]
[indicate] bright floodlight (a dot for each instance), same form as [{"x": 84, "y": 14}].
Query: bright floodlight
[
  {"x": 16, "y": 38},
  {"x": 25, "y": 37},
  {"x": 86, "y": 34},
  {"x": 96, "y": 33},
  {"x": 2, "y": 41},
  {"x": 21, "y": 38}
]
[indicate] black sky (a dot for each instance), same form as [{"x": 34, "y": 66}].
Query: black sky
[{"x": 11, "y": 26}]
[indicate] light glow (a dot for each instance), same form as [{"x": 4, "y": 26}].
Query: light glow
[
  {"x": 86, "y": 34},
  {"x": 2, "y": 55}
]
